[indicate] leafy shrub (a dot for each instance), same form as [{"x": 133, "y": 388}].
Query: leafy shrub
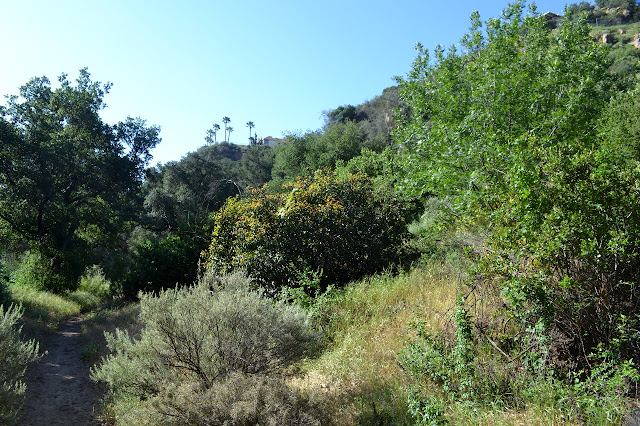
[
  {"x": 31, "y": 272},
  {"x": 477, "y": 105},
  {"x": 95, "y": 282},
  {"x": 599, "y": 396},
  {"x": 518, "y": 128},
  {"x": 455, "y": 367},
  {"x": 338, "y": 228},
  {"x": 200, "y": 336},
  {"x": 463, "y": 370},
  {"x": 162, "y": 264},
  {"x": 34, "y": 271},
  {"x": 523, "y": 127},
  {"x": 566, "y": 258},
  {"x": 567, "y": 253},
  {"x": 16, "y": 356}
]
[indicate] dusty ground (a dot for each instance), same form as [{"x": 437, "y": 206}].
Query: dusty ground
[{"x": 59, "y": 390}]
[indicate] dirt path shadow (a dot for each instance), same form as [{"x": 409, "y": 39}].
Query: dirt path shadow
[{"x": 59, "y": 390}]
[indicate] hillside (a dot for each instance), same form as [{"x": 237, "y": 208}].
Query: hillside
[{"x": 462, "y": 249}]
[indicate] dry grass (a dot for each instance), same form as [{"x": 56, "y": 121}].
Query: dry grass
[
  {"x": 359, "y": 374},
  {"x": 359, "y": 371}
]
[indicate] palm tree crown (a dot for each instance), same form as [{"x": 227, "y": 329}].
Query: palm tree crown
[
  {"x": 226, "y": 121},
  {"x": 250, "y": 125},
  {"x": 216, "y": 127}
]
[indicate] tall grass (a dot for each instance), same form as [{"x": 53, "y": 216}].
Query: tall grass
[
  {"x": 44, "y": 306},
  {"x": 359, "y": 370},
  {"x": 50, "y": 308}
]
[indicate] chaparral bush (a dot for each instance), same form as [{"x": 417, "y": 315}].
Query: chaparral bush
[
  {"x": 337, "y": 228},
  {"x": 16, "y": 355},
  {"x": 239, "y": 399},
  {"x": 199, "y": 338}
]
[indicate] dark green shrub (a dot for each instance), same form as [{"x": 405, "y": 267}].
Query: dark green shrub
[
  {"x": 510, "y": 82},
  {"x": 338, "y": 228},
  {"x": 457, "y": 366},
  {"x": 521, "y": 129},
  {"x": 469, "y": 369},
  {"x": 34, "y": 271},
  {"x": 5, "y": 297},
  {"x": 567, "y": 252},
  {"x": 200, "y": 336},
  {"x": 16, "y": 355},
  {"x": 163, "y": 264}
]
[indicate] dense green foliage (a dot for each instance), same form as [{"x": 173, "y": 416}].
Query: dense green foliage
[
  {"x": 158, "y": 264},
  {"x": 568, "y": 247},
  {"x": 4, "y": 285},
  {"x": 464, "y": 369},
  {"x": 348, "y": 131},
  {"x": 178, "y": 196},
  {"x": 303, "y": 154},
  {"x": 175, "y": 226},
  {"x": 67, "y": 179},
  {"x": 257, "y": 163},
  {"x": 206, "y": 339},
  {"x": 473, "y": 112},
  {"x": 529, "y": 133},
  {"x": 16, "y": 355},
  {"x": 376, "y": 118},
  {"x": 335, "y": 229}
]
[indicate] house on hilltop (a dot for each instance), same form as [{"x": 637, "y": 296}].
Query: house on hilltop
[
  {"x": 269, "y": 141},
  {"x": 550, "y": 15},
  {"x": 553, "y": 19}
]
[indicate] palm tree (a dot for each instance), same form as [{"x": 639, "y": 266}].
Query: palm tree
[
  {"x": 216, "y": 127},
  {"x": 226, "y": 121},
  {"x": 250, "y": 125},
  {"x": 210, "y": 136},
  {"x": 229, "y": 129}
]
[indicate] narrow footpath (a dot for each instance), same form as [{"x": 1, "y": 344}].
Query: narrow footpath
[{"x": 59, "y": 390}]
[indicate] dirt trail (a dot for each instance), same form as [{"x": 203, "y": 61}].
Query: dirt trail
[{"x": 59, "y": 390}]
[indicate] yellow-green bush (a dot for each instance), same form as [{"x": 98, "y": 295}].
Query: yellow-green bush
[{"x": 337, "y": 228}]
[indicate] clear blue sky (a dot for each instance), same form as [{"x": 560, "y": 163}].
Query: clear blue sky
[{"x": 184, "y": 65}]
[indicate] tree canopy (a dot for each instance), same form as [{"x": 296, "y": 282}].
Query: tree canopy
[
  {"x": 474, "y": 111},
  {"x": 66, "y": 177},
  {"x": 526, "y": 126}
]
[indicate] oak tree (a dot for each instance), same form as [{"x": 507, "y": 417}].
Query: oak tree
[{"x": 67, "y": 178}]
